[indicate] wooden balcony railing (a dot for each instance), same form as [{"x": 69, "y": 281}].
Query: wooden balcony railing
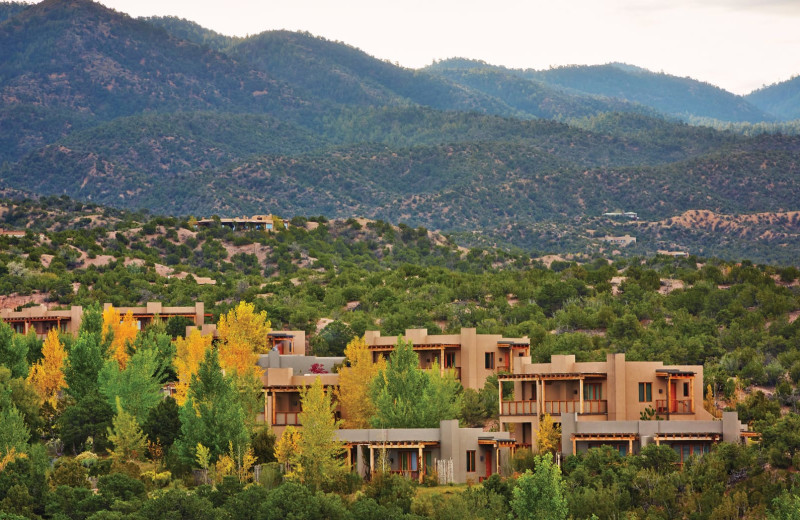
[
  {"x": 287, "y": 419},
  {"x": 519, "y": 408},
  {"x": 679, "y": 406},
  {"x": 574, "y": 406},
  {"x": 590, "y": 406}
]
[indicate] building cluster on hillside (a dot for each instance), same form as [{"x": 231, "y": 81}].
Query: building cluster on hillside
[
  {"x": 256, "y": 222},
  {"x": 625, "y": 404}
]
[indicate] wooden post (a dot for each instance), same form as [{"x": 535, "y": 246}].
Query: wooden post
[
  {"x": 500, "y": 394},
  {"x": 419, "y": 464},
  {"x": 580, "y": 393},
  {"x": 691, "y": 394},
  {"x": 669, "y": 399},
  {"x": 441, "y": 364},
  {"x": 658, "y": 440},
  {"x": 630, "y": 446},
  {"x": 274, "y": 413},
  {"x": 574, "y": 446},
  {"x": 371, "y": 460},
  {"x": 544, "y": 402},
  {"x": 266, "y": 410}
]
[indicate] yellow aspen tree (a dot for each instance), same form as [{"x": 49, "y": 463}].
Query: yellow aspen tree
[
  {"x": 243, "y": 336},
  {"x": 47, "y": 376},
  {"x": 190, "y": 352},
  {"x": 548, "y": 438},
  {"x": 353, "y": 395},
  {"x": 243, "y": 325},
  {"x": 321, "y": 454},
  {"x": 121, "y": 332},
  {"x": 287, "y": 451},
  {"x": 10, "y": 456}
]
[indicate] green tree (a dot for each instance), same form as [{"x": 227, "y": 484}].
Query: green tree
[
  {"x": 14, "y": 434},
  {"x": 126, "y": 436},
  {"x": 89, "y": 417},
  {"x": 13, "y": 353},
  {"x": 84, "y": 361},
  {"x": 405, "y": 396},
  {"x": 138, "y": 386},
  {"x": 321, "y": 453},
  {"x": 163, "y": 423},
  {"x": 213, "y": 414},
  {"x": 540, "y": 495}
]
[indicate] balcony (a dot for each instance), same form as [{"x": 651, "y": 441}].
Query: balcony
[
  {"x": 519, "y": 408},
  {"x": 590, "y": 406},
  {"x": 287, "y": 419},
  {"x": 676, "y": 406}
]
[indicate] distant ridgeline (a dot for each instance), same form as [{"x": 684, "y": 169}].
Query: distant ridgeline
[{"x": 188, "y": 121}]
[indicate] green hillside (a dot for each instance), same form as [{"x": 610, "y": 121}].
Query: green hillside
[
  {"x": 782, "y": 100},
  {"x": 671, "y": 95}
]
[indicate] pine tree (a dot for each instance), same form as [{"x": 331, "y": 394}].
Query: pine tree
[
  {"x": 212, "y": 414},
  {"x": 47, "y": 376},
  {"x": 126, "y": 436},
  {"x": 84, "y": 361},
  {"x": 13, "y": 354},
  {"x": 138, "y": 386},
  {"x": 353, "y": 394},
  {"x": 405, "y": 396}
]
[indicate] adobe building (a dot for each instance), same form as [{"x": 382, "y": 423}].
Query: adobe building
[
  {"x": 145, "y": 315},
  {"x": 415, "y": 452},
  {"x": 283, "y": 381},
  {"x": 256, "y": 222},
  {"x": 473, "y": 356},
  {"x": 605, "y": 403},
  {"x": 287, "y": 342},
  {"x": 41, "y": 320}
]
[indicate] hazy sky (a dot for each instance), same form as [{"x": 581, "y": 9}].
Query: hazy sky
[{"x": 738, "y": 45}]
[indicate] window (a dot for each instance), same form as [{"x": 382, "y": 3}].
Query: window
[
  {"x": 592, "y": 391},
  {"x": 449, "y": 360},
  {"x": 685, "y": 389},
  {"x": 645, "y": 392},
  {"x": 489, "y": 359},
  {"x": 470, "y": 461}
]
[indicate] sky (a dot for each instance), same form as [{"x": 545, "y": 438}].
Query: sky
[{"x": 738, "y": 45}]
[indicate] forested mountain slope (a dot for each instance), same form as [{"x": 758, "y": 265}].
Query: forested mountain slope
[
  {"x": 680, "y": 97},
  {"x": 128, "y": 112},
  {"x": 782, "y": 100}
]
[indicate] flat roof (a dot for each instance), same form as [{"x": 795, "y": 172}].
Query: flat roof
[
  {"x": 546, "y": 375},
  {"x": 674, "y": 372}
]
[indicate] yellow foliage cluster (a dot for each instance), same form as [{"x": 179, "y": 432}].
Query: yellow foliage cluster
[
  {"x": 47, "y": 376},
  {"x": 122, "y": 332},
  {"x": 548, "y": 438},
  {"x": 190, "y": 352},
  {"x": 243, "y": 335},
  {"x": 354, "y": 380},
  {"x": 287, "y": 449},
  {"x": 10, "y": 456}
]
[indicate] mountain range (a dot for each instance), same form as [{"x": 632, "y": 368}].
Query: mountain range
[{"x": 163, "y": 114}]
